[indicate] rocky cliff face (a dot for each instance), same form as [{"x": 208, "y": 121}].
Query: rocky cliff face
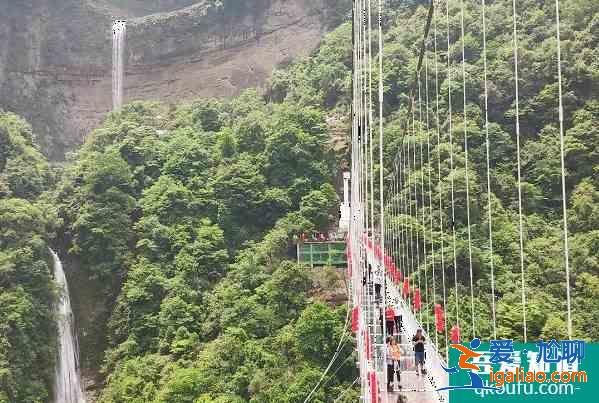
[{"x": 55, "y": 55}]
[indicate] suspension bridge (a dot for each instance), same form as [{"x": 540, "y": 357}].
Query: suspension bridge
[{"x": 402, "y": 236}]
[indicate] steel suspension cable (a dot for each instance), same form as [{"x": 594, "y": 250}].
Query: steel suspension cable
[
  {"x": 407, "y": 176},
  {"x": 465, "y": 123},
  {"x": 357, "y": 198},
  {"x": 346, "y": 390},
  {"x": 402, "y": 201},
  {"x": 340, "y": 345},
  {"x": 415, "y": 182},
  {"x": 423, "y": 203},
  {"x": 520, "y": 219},
  {"x": 430, "y": 191},
  {"x": 451, "y": 172},
  {"x": 366, "y": 125},
  {"x": 396, "y": 228},
  {"x": 397, "y": 203},
  {"x": 397, "y": 255},
  {"x": 563, "y": 169},
  {"x": 488, "y": 157},
  {"x": 381, "y": 168},
  {"x": 370, "y": 120},
  {"x": 439, "y": 183}
]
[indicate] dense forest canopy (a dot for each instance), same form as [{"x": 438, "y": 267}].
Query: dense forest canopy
[
  {"x": 540, "y": 156},
  {"x": 27, "y": 330},
  {"x": 183, "y": 216},
  {"x": 193, "y": 209}
]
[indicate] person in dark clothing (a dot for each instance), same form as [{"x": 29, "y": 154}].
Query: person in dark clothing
[
  {"x": 390, "y": 366},
  {"x": 397, "y": 318},
  {"x": 418, "y": 341},
  {"x": 377, "y": 291},
  {"x": 378, "y": 281}
]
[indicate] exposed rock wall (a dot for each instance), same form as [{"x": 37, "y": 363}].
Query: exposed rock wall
[{"x": 55, "y": 55}]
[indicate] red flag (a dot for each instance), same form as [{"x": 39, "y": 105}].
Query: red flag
[
  {"x": 406, "y": 287},
  {"x": 439, "y": 318},
  {"x": 355, "y": 317},
  {"x": 367, "y": 342},
  {"x": 374, "y": 387},
  {"x": 397, "y": 276},
  {"x": 455, "y": 334},
  {"x": 387, "y": 260},
  {"x": 417, "y": 301}
]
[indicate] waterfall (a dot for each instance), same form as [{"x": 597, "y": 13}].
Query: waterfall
[
  {"x": 119, "y": 30},
  {"x": 67, "y": 384}
]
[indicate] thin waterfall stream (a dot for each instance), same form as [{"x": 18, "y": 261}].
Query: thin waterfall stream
[
  {"x": 67, "y": 384},
  {"x": 119, "y": 31}
]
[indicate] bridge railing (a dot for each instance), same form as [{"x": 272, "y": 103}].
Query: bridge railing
[{"x": 434, "y": 361}]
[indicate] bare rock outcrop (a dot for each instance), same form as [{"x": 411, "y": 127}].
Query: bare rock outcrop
[{"x": 55, "y": 55}]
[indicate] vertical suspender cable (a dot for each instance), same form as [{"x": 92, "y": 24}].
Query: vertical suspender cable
[
  {"x": 407, "y": 241},
  {"x": 564, "y": 194},
  {"x": 451, "y": 172},
  {"x": 415, "y": 180},
  {"x": 423, "y": 203},
  {"x": 402, "y": 236},
  {"x": 466, "y": 167},
  {"x": 407, "y": 175},
  {"x": 439, "y": 184},
  {"x": 397, "y": 227},
  {"x": 370, "y": 120},
  {"x": 520, "y": 219},
  {"x": 368, "y": 174},
  {"x": 489, "y": 208},
  {"x": 404, "y": 242},
  {"x": 356, "y": 264},
  {"x": 430, "y": 190},
  {"x": 381, "y": 167},
  {"x": 392, "y": 238}
]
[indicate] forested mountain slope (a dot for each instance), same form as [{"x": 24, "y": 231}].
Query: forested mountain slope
[
  {"x": 540, "y": 154},
  {"x": 27, "y": 330},
  {"x": 185, "y": 218},
  {"x": 325, "y": 80}
]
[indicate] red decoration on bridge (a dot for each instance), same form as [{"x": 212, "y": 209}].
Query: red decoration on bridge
[
  {"x": 355, "y": 317},
  {"x": 367, "y": 342},
  {"x": 397, "y": 276},
  {"x": 455, "y": 334},
  {"x": 417, "y": 300},
  {"x": 406, "y": 287},
  {"x": 439, "y": 318},
  {"x": 374, "y": 387}
]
